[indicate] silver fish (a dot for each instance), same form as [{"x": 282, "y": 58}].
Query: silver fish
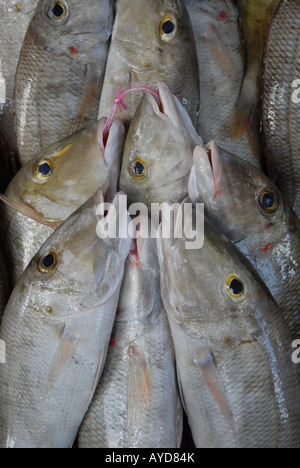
[{"x": 57, "y": 327}]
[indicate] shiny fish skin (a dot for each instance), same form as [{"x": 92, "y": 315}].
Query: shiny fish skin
[
  {"x": 80, "y": 166},
  {"x": 270, "y": 240},
  {"x": 221, "y": 72},
  {"x": 15, "y": 16},
  {"x": 60, "y": 73},
  {"x": 136, "y": 404},
  {"x": 139, "y": 56},
  {"x": 3, "y": 285},
  {"x": 238, "y": 383},
  {"x": 57, "y": 327},
  {"x": 164, "y": 143},
  {"x": 280, "y": 113}
]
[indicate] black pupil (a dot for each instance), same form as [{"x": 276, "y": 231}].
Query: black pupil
[
  {"x": 48, "y": 261},
  {"x": 168, "y": 27},
  {"x": 268, "y": 200},
  {"x": 58, "y": 10},
  {"x": 236, "y": 287},
  {"x": 138, "y": 168},
  {"x": 45, "y": 169}
]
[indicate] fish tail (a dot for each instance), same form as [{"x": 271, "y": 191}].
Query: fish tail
[{"x": 245, "y": 120}]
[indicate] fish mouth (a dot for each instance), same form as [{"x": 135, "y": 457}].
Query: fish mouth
[
  {"x": 205, "y": 177},
  {"x": 214, "y": 161},
  {"x": 167, "y": 108}
]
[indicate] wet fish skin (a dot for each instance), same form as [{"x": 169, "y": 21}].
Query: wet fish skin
[
  {"x": 136, "y": 404},
  {"x": 256, "y": 17},
  {"x": 163, "y": 143},
  {"x": 221, "y": 71},
  {"x": 229, "y": 399},
  {"x": 80, "y": 165},
  {"x": 15, "y": 16},
  {"x": 4, "y": 290},
  {"x": 280, "y": 113},
  {"x": 62, "y": 320},
  {"x": 270, "y": 239},
  {"x": 60, "y": 72},
  {"x": 140, "y": 55}
]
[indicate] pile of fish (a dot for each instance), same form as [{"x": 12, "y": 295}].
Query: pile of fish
[{"x": 109, "y": 341}]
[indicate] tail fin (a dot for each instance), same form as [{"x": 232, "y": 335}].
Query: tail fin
[{"x": 245, "y": 119}]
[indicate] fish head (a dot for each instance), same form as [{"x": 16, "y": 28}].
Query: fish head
[
  {"x": 71, "y": 26},
  {"x": 157, "y": 156},
  {"x": 78, "y": 262},
  {"x": 239, "y": 199},
  {"x": 69, "y": 172},
  {"x": 140, "y": 291}
]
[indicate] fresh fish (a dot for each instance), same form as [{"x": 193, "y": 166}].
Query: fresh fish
[
  {"x": 151, "y": 42},
  {"x": 47, "y": 191},
  {"x": 221, "y": 72},
  {"x": 158, "y": 152},
  {"x": 3, "y": 285},
  {"x": 57, "y": 327},
  {"x": 61, "y": 70},
  {"x": 137, "y": 404},
  {"x": 256, "y": 16},
  {"x": 233, "y": 350},
  {"x": 15, "y": 16},
  {"x": 247, "y": 207},
  {"x": 280, "y": 106}
]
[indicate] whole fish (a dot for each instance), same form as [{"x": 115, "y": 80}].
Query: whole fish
[
  {"x": 255, "y": 16},
  {"x": 247, "y": 207},
  {"x": 136, "y": 404},
  {"x": 57, "y": 327},
  {"x": 15, "y": 16},
  {"x": 60, "y": 72},
  {"x": 151, "y": 42},
  {"x": 221, "y": 72},
  {"x": 3, "y": 285},
  {"x": 238, "y": 383},
  {"x": 280, "y": 106},
  {"x": 46, "y": 191},
  {"x": 158, "y": 151}
]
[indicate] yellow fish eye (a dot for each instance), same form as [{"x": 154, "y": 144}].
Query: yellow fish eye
[
  {"x": 48, "y": 262},
  {"x": 59, "y": 10},
  {"x": 235, "y": 287},
  {"x": 44, "y": 170},
  {"x": 168, "y": 27},
  {"x": 139, "y": 169},
  {"x": 268, "y": 201}
]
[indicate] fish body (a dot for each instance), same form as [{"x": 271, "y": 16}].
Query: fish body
[
  {"x": 15, "y": 16},
  {"x": 221, "y": 71},
  {"x": 136, "y": 404},
  {"x": 60, "y": 72},
  {"x": 238, "y": 383},
  {"x": 4, "y": 291},
  {"x": 249, "y": 209},
  {"x": 255, "y": 17},
  {"x": 48, "y": 190},
  {"x": 57, "y": 327},
  {"x": 280, "y": 108},
  {"x": 142, "y": 54},
  {"x": 158, "y": 156}
]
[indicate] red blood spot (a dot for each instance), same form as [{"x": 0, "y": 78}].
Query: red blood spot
[
  {"x": 113, "y": 342},
  {"x": 223, "y": 16},
  {"x": 267, "y": 227},
  {"x": 267, "y": 248},
  {"x": 73, "y": 50}
]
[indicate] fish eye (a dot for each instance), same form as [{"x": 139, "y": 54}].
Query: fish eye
[
  {"x": 59, "y": 11},
  {"x": 168, "y": 27},
  {"x": 48, "y": 262},
  {"x": 268, "y": 201},
  {"x": 235, "y": 287},
  {"x": 138, "y": 169},
  {"x": 44, "y": 170}
]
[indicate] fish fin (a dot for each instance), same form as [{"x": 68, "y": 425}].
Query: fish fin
[
  {"x": 29, "y": 212},
  {"x": 139, "y": 389},
  {"x": 220, "y": 53},
  {"x": 215, "y": 386},
  {"x": 180, "y": 389},
  {"x": 63, "y": 355},
  {"x": 245, "y": 119},
  {"x": 99, "y": 372},
  {"x": 87, "y": 101}
]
